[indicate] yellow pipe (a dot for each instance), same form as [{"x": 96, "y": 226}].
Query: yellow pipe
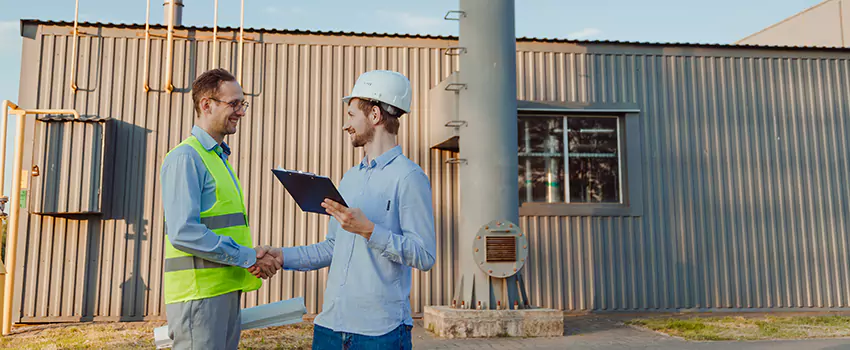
[
  {"x": 74, "y": 57},
  {"x": 12, "y": 231},
  {"x": 169, "y": 56},
  {"x": 215, "y": 36},
  {"x": 15, "y": 202},
  {"x": 5, "y": 122},
  {"x": 147, "y": 45},
  {"x": 241, "y": 41}
]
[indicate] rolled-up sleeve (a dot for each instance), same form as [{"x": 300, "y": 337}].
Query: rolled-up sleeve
[
  {"x": 181, "y": 177},
  {"x": 416, "y": 245}
]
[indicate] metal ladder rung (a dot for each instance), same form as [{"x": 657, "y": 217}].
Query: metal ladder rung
[
  {"x": 455, "y": 87},
  {"x": 455, "y": 51},
  {"x": 459, "y": 13},
  {"x": 456, "y": 123}
]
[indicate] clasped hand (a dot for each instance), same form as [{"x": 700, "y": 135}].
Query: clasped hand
[{"x": 269, "y": 261}]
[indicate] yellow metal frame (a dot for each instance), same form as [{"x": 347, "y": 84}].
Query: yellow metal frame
[{"x": 15, "y": 200}]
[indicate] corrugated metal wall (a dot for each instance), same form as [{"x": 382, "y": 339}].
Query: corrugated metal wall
[
  {"x": 745, "y": 173},
  {"x": 110, "y": 268},
  {"x": 744, "y": 203}
]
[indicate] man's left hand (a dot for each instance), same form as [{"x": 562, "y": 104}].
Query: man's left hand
[{"x": 351, "y": 219}]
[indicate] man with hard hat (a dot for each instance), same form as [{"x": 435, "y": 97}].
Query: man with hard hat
[
  {"x": 208, "y": 246},
  {"x": 388, "y": 228}
]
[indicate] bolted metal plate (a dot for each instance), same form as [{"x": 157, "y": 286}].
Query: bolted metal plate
[{"x": 500, "y": 248}]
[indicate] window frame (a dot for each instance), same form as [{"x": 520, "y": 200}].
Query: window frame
[{"x": 630, "y": 156}]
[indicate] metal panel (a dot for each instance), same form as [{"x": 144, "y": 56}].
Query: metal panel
[
  {"x": 67, "y": 152},
  {"x": 743, "y": 171},
  {"x": 823, "y": 25},
  {"x": 744, "y": 204},
  {"x": 294, "y": 90}
]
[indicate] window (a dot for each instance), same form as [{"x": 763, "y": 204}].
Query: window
[{"x": 587, "y": 170}]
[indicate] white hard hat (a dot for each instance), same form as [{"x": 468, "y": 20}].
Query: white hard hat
[{"x": 385, "y": 86}]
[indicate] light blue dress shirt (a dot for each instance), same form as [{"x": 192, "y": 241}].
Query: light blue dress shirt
[
  {"x": 187, "y": 190},
  {"x": 368, "y": 286}
]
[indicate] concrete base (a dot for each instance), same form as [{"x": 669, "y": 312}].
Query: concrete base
[{"x": 446, "y": 322}]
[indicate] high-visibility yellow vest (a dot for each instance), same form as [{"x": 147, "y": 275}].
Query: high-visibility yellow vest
[{"x": 188, "y": 277}]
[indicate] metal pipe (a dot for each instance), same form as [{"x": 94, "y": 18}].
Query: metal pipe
[
  {"x": 241, "y": 42},
  {"x": 15, "y": 200},
  {"x": 552, "y": 181},
  {"x": 489, "y": 189},
  {"x": 529, "y": 195},
  {"x": 215, "y": 35},
  {"x": 12, "y": 231},
  {"x": 170, "y": 52},
  {"x": 173, "y": 11},
  {"x": 74, "y": 57},
  {"x": 3, "y": 126},
  {"x": 147, "y": 46}
]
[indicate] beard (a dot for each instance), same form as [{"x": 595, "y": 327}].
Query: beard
[
  {"x": 226, "y": 128},
  {"x": 363, "y": 138}
]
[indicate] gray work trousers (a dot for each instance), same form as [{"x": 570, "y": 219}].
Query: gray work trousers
[{"x": 212, "y": 323}]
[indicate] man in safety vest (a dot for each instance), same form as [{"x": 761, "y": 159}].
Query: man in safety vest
[
  {"x": 388, "y": 229},
  {"x": 208, "y": 246}
]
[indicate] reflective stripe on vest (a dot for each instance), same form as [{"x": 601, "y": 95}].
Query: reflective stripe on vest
[{"x": 187, "y": 277}]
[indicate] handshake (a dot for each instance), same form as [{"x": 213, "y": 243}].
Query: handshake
[{"x": 269, "y": 261}]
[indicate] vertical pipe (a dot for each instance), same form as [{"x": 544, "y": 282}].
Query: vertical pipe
[
  {"x": 553, "y": 193},
  {"x": 74, "y": 55},
  {"x": 566, "y": 126},
  {"x": 3, "y": 125},
  {"x": 173, "y": 11},
  {"x": 215, "y": 35},
  {"x": 241, "y": 41},
  {"x": 489, "y": 189},
  {"x": 147, "y": 46},
  {"x": 12, "y": 231},
  {"x": 529, "y": 189},
  {"x": 170, "y": 51}
]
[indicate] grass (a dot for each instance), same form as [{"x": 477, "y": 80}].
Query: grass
[
  {"x": 749, "y": 328},
  {"x": 139, "y": 335}
]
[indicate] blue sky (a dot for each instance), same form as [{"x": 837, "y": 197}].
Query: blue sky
[{"x": 717, "y": 21}]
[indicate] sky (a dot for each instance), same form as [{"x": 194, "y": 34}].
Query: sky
[{"x": 715, "y": 21}]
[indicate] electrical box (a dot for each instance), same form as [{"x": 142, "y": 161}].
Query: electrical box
[
  {"x": 444, "y": 128},
  {"x": 69, "y": 158}
]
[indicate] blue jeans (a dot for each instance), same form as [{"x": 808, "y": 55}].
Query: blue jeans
[{"x": 327, "y": 339}]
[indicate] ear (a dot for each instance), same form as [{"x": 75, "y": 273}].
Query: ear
[
  {"x": 205, "y": 105},
  {"x": 375, "y": 115}
]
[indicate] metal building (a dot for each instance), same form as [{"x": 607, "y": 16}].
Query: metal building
[
  {"x": 652, "y": 176},
  {"x": 826, "y": 24}
]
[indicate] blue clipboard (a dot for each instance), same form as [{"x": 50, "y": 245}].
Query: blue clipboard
[{"x": 309, "y": 190}]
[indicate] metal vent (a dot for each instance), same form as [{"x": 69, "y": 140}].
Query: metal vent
[{"x": 501, "y": 249}]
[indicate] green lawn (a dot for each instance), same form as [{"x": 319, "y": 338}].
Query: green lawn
[{"x": 749, "y": 328}]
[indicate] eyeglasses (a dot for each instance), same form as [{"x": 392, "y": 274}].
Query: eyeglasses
[{"x": 235, "y": 104}]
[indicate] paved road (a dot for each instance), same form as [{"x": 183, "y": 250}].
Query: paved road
[{"x": 608, "y": 332}]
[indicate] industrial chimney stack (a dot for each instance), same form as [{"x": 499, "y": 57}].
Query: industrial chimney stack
[{"x": 173, "y": 11}]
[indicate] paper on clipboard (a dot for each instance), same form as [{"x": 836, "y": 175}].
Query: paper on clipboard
[{"x": 309, "y": 190}]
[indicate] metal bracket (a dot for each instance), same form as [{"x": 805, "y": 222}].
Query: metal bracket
[
  {"x": 455, "y": 51},
  {"x": 456, "y": 161},
  {"x": 455, "y": 87},
  {"x": 459, "y": 13},
  {"x": 456, "y": 123}
]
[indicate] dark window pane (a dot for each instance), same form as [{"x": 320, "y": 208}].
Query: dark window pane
[
  {"x": 594, "y": 170},
  {"x": 541, "y": 168}
]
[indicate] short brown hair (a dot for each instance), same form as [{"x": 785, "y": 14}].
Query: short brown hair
[
  {"x": 207, "y": 85},
  {"x": 390, "y": 120}
]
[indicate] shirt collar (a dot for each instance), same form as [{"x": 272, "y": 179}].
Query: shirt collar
[
  {"x": 382, "y": 160},
  {"x": 208, "y": 142}
]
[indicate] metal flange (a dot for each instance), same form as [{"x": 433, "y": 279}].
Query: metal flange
[{"x": 500, "y": 248}]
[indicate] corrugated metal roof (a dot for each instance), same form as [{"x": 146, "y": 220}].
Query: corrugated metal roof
[{"x": 427, "y": 36}]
